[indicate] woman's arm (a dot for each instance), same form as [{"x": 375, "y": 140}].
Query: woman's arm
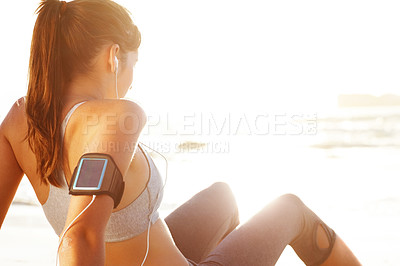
[
  {"x": 10, "y": 175},
  {"x": 83, "y": 243}
]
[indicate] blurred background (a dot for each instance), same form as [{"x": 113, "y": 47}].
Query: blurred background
[{"x": 271, "y": 97}]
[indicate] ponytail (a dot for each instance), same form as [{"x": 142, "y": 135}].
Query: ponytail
[
  {"x": 66, "y": 38},
  {"x": 45, "y": 89}
]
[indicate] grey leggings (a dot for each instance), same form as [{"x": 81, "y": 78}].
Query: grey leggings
[{"x": 204, "y": 229}]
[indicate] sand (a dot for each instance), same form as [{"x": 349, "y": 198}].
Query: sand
[{"x": 355, "y": 191}]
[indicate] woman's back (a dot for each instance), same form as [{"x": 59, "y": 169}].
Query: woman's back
[
  {"x": 77, "y": 134},
  {"x": 14, "y": 130}
]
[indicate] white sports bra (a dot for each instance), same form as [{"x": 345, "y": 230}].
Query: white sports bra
[{"x": 123, "y": 224}]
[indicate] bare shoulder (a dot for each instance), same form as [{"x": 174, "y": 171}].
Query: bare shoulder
[
  {"x": 121, "y": 111},
  {"x": 105, "y": 126},
  {"x": 15, "y": 118},
  {"x": 120, "y": 105}
]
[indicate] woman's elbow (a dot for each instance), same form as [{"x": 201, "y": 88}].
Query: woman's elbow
[
  {"x": 82, "y": 247},
  {"x": 77, "y": 235}
]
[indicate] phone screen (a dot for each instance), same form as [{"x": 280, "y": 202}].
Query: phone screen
[{"x": 90, "y": 173}]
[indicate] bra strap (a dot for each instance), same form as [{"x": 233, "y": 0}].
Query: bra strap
[{"x": 68, "y": 116}]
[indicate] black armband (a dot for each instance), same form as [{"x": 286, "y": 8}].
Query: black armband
[{"x": 96, "y": 174}]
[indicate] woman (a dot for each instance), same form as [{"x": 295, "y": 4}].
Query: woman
[{"x": 82, "y": 58}]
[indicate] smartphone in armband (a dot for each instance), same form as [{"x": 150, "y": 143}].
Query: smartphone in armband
[{"x": 96, "y": 174}]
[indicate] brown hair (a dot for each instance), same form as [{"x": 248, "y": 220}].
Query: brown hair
[{"x": 66, "y": 38}]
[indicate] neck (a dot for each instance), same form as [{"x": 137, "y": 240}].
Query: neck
[{"x": 87, "y": 87}]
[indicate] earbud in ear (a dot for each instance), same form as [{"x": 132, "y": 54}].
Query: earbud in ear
[{"x": 116, "y": 64}]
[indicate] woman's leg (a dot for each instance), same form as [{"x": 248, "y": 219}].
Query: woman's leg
[
  {"x": 262, "y": 239},
  {"x": 202, "y": 222},
  {"x": 341, "y": 255}
]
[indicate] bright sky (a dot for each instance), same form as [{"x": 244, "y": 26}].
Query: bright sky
[{"x": 230, "y": 55}]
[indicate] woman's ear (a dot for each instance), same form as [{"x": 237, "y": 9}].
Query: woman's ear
[{"x": 112, "y": 58}]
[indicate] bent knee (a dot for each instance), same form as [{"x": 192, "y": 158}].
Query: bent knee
[
  {"x": 290, "y": 198},
  {"x": 225, "y": 199},
  {"x": 222, "y": 187},
  {"x": 223, "y": 191}
]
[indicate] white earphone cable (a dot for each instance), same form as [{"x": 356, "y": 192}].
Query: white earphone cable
[
  {"x": 116, "y": 82},
  {"x": 147, "y": 243},
  {"x": 158, "y": 195},
  {"x": 69, "y": 226},
  {"x": 94, "y": 197}
]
